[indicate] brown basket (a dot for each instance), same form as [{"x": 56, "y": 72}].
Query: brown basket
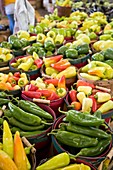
[
  {"x": 64, "y": 11},
  {"x": 102, "y": 83}
]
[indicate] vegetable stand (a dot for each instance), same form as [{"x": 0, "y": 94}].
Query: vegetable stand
[{"x": 63, "y": 65}]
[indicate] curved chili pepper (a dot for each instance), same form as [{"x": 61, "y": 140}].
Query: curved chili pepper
[
  {"x": 53, "y": 81},
  {"x": 32, "y": 87},
  {"x": 53, "y": 96},
  {"x": 62, "y": 82},
  {"x": 61, "y": 65},
  {"x": 83, "y": 83},
  {"x": 38, "y": 62},
  {"x": 45, "y": 92},
  {"x": 73, "y": 95},
  {"x": 32, "y": 94},
  {"x": 94, "y": 106}
]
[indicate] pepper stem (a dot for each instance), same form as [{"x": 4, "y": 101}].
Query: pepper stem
[
  {"x": 62, "y": 111},
  {"x": 45, "y": 123}
]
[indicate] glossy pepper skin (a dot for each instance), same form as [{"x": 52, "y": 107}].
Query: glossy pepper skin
[
  {"x": 6, "y": 162},
  {"x": 73, "y": 95},
  {"x": 22, "y": 116},
  {"x": 53, "y": 81},
  {"x": 62, "y": 82},
  {"x": 71, "y": 53},
  {"x": 7, "y": 139},
  {"x": 61, "y": 65},
  {"x": 19, "y": 153},
  {"x": 96, "y": 150},
  {"x": 74, "y": 139},
  {"x": 32, "y": 94},
  {"x": 94, "y": 105},
  {"x": 82, "y": 119},
  {"x": 57, "y": 161},
  {"x": 3, "y": 101},
  {"x": 97, "y": 57},
  {"x": 89, "y": 131},
  {"x": 48, "y": 45},
  {"x": 34, "y": 109},
  {"x": 51, "y": 60},
  {"x": 83, "y": 83},
  {"x": 38, "y": 62}
]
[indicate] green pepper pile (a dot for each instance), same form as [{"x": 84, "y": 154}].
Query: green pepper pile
[
  {"x": 79, "y": 133},
  {"x": 73, "y": 51},
  {"x": 25, "y": 116},
  {"x": 105, "y": 56}
]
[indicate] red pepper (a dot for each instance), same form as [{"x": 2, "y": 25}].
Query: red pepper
[
  {"x": 83, "y": 83},
  {"x": 94, "y": 106},
  {"x": 53, "y": 96},
  {"x": 38, "y": 62},
  {"x": 32, "y": 87},
  {"x": 61, "y": 65},
  {"x": 32, "y": 94},
  {"x": 12, "y": 80},
  {"x": 73, "y": 95},
  {"x": 45, "y": 92},
  {"x": 17, "y": 74},
  {"x": 51, "y": 60},
  {"x": 62, "y": 82},
  {"x": 53, "y": 81}
]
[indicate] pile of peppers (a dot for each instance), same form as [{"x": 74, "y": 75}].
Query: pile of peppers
[
  {"x": 18, "y": 111},
  {"x": 81, "y": 132},
  {"x": 50, "y": 89},
  {"x": 13, "y": 155}
]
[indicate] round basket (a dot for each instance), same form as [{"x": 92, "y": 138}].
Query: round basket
[
  {"x": 32, "y": 74},
  {"x": 103, "y": 83},
  {"x": 17, "y": 53},
  {"x": 57, "y": 148},
  {"x": 54, "y": 105},
  {"x": 69, "y": 81},
  {"x": 42, "y": 140},
  {"x": 80, "y": 62},
  {"x": 63, "y": 11}
]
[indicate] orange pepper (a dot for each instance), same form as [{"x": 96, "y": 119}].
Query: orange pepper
[{"x": 19, "y": 153}]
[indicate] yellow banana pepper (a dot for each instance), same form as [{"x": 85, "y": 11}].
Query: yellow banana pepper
[
  {"x": 6, "y": 162},
  {"x": 26, "y": 66},
  {"x": 102, "y": 97},
  {"x": 68, "y": 72},
  {"x": 87, "y": 105},
  {"x": 7, "y": 139},
  {"x": 106, "y": 106},
  {"x": 3, "y": 77},
  {"x": 89, "y": 77},
  {"x": 86, "y": 89},
  {"x": 97, "y": 71},
  {"x": 76, "y": 167},
  {"x": 81, "y": 96}
]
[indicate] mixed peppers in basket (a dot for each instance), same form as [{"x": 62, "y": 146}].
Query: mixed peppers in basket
[
  {"x": 50, "y": 89},
  {"x": 90, "y": 98}
]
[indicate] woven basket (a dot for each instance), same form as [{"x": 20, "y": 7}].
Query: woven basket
[{"x": 103, "y": 83}]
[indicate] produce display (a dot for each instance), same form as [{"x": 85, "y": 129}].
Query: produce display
[
  {"x": 13, "y": 155},
  {"x": 63, "y": 161},
  {"x": 5, "y": 55},
  {"x": 48, "y": 89},
  {"x": 97, "y": 70},
  {"x": 27, "y": 63},
  {"x": 56, "y": 67},
  {"x": 24, "y": 116},
  {"x": 62, "y": 65},
  {"x": 12, "y": 81},
  {"x": 79, "y": 134},
  {"x": 90, "y": 98}
]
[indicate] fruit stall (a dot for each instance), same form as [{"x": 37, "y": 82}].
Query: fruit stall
[{"x": 56, "y": 91}]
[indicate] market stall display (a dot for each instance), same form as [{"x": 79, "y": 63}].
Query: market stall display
[{"x": 61, "y": 58}]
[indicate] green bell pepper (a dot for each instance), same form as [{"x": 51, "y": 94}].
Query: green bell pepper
[
  {"x": 31, "y": 49},
  {"x": 83, "y": 49},
  {"x": 16, "y": 44},
  {"x": 108, "y": 54},
  {"x": 110, "y": 62},
  {"x": 6, "y": 44},
  {"x": 97, "y": 57},
  {"x": 48, "y": 45},
  {"x": 41, "y": 52},
  {"x": 71, "y": 53},
  {"x": 62, "y": 50},
  {"x": 37, "y": 45}
]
